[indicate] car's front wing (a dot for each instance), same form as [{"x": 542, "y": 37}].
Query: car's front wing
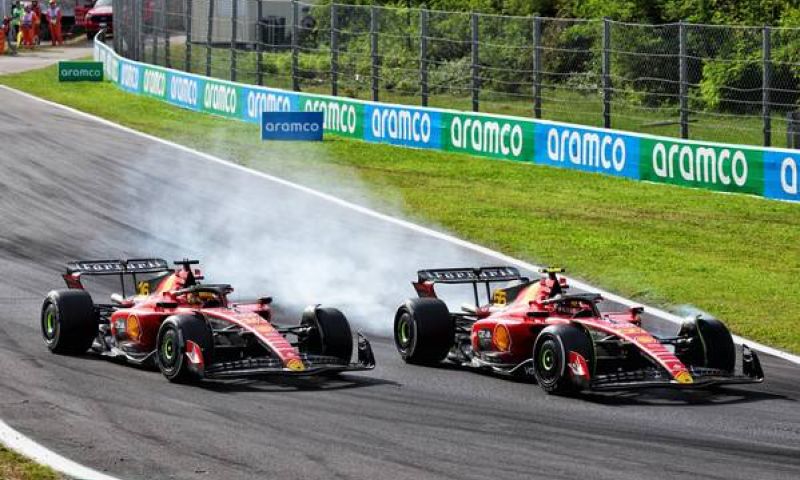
[
  {"x": 312, "y": 365},
  {"x": 701, "y": 377}
]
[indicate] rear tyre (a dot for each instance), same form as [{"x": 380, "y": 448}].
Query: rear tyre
[
  {"x": 330, "y": 336},
  {"x": 551, "y": 355},
  {"x": 69, "y": 321},
  {"x": 711, "y": 345},
  {"x": 424, "y": 331},
  {"x": 171, "y": 347}
]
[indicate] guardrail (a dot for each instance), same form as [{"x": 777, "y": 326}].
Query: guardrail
[{"x": 766, "y": 172}]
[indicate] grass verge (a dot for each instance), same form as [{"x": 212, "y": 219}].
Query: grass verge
[
  {"x": 16, "y": 467},
  {"x": 737, "y": 257}
]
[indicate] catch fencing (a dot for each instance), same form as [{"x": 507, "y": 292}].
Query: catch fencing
[{"x": 724, "y": 83}]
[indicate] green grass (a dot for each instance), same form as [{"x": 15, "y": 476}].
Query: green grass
[
  {"x": 16, "y": 467},
  {"x": 735, "y": 256},
  {"x": 559, "y": 104}
]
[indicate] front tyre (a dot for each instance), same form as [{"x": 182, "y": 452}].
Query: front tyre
[
  {"x": 551, "y": 354},
  {"x": 172, "y": 344},
  {"x": 711, "y": 345},
  {"x": 69, "y": 321},
  {"x": 329, "y": 335}
]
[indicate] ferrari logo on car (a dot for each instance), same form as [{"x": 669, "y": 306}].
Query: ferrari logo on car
[
  {"x": 295, "y": 364},
  {"x": 684, "y": 377}
]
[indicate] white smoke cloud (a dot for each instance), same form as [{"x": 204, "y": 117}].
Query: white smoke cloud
[{"x": 266, "y": 239}]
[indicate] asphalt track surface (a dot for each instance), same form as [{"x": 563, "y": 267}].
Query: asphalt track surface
[{"x": 82, "y": 191}]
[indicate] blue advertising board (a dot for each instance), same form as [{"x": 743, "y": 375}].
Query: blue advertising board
[
  {"x": 294, "y": 126},
  {"x": 590, "y": 150},
  {"x": 782, "y": 175}
]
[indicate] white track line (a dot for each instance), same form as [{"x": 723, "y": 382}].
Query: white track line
[
  {"x": 656, "y": 312},
  {"x": 27, "y": 447}
]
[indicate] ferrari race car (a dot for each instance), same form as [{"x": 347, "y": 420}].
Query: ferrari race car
[
  {"x": 562, "y": 340},
  {"x": 190, "y": 330}
]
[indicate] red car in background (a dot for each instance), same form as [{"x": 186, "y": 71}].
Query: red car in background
[{"x": 98, "y": 17}]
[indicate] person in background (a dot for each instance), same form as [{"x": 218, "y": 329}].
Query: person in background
[
  {"x": 8, "y": 33},
  {"x": 4, "y": 29},
  {"x": 37, "y": 21},
  {"x": 54, "y": 21},
  {"x": 27, "y": 27},
  {"x": 16, "y": 18}
]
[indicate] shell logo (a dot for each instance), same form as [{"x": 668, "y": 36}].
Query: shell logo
[
  {"x": 645, "y": 339},
  {"x": 684, "y": 377},
  {"x": 295, "y": 364}
]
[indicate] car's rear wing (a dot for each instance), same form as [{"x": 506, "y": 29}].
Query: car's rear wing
[
  {"x": 486, "y": 275},
  {"x": 132, "y": 267}
]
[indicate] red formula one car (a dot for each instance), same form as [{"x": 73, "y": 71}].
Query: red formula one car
[
  {"x": 190, "y": 330},
  {"x": 537, "y": 329}
]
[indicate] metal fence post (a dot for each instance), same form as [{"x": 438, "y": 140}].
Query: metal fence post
[
  {"x": 373, "y": 50},
  {"x": 137, "y": 31},
  {"x": 295, "y": 45},
  {"x": 209, "y": 36},
  {"x": 188, "y": 47},
  {"x": 766, "y": 85},
  {"x": 259, "y": 45},
  {"x": 537, "y": 67},
  {"x": 606, "y": 73},
  {"x": 423, "y": 55},
  {"x": 153, "y": 35},
  {"x": 234, "y": 27},
  {"x": 684, "y": 81},
  {"x": 334, "y": 51},
  {"x": 476, "y": 84},
  {"x": 165, "y": 23}
]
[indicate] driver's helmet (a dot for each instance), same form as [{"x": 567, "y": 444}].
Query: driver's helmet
[{"x": 203, "y": 298}]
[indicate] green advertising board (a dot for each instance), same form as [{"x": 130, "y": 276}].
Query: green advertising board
[
  {"x": 725, "y": 168},
  {"x": 80, "y": 71},
  {"x": 488, "y": 136},
  {"x": 342, "y": 117}
]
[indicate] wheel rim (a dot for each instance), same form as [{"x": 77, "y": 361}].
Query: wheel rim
[
  {"x": 50, "y": 324},
  {"x": 169, "y": 349},
  {"x": 548, "y": 360},
  {"x": 404, "y": 331},
  {"x": 547, "y": 365}
]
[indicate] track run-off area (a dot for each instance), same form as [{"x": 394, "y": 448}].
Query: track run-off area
[{"x": 114, "y": 194}]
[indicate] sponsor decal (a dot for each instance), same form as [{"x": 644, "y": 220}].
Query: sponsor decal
[
  {"x": 340, "y": 116},
  {"x": 587, "y": 150},
  {"x": 489, "y": 136},
  {"x": 684, "y": 377},
  {"x": 577, "y": 365},
  {"x": 80, "y": 71},
  {"x": 256, "y": 101},
  {"x": 644, "y": 339},
  {"x": 713, "y": 167},
  {"x": 184, "y": 90},
  {"x": 402, "y": 126},
  {"x": 154, "y": 83},
  {"x": 782, "y": 175},
  {"x": 295, "y": 364},
  {"x": 130, "y": 76},
  {"x": 220, "y": 98},
  {"x": 302, "y": 126}
]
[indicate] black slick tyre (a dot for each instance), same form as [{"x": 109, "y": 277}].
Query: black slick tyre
[
  {"x": 69, "y": 321},
  {"x": 330, "y": 334},
  {"x": 551, "y": 354},
  {"x": 423, "y": 331},
  {"x": 172, "y": 338}
]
